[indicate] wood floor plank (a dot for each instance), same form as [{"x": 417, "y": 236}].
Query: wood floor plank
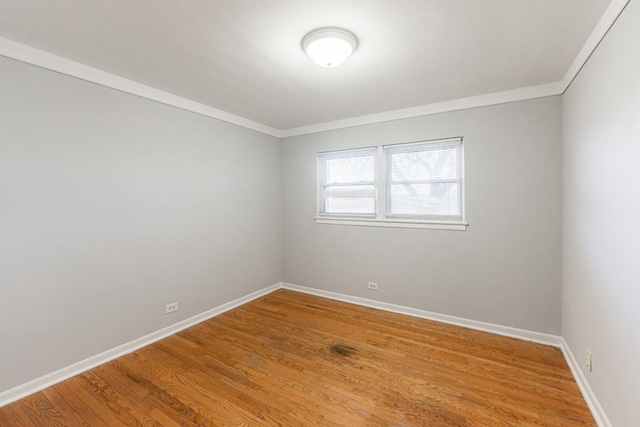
[
  {"x": 126, "y": 409},
  {"x": 225, "y": 370},
  {"x": 212, "y": 406},
  {"x": 294, "y": 359},
  {"x": 134, "y": 401},
  {"x": 16, "y": 414},
  {"x": 82, "y": 409},
  {"x": 5, "y": 418},
  {"x": 242, "y": 393},
  {"x": 157, "y": 397},
  {"x": 232, "y": 395},
  {"x": 85, "y": 394},
  {"x": 62, "y": 402},
  {"x": 42, "y": 411}
]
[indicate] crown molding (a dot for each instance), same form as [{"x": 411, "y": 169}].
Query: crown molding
[
  {"x": 30, "y": 55},
  {"x": 607, "y": 20},
  {"x": 40, "y": 58},
  {"x": 597, "y": 35},
  {"x": 522, "y": 94}
]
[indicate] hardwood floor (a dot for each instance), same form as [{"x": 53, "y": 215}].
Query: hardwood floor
[{"x": 293, "y": 359}]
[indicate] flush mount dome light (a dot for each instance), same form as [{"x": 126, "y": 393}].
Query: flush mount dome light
[{"x": 329, "y": 47}]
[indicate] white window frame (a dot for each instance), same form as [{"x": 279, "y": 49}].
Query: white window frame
[{"x": 381, "y": 184}]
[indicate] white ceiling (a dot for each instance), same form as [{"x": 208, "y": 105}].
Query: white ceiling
[{"x": 244, "y": 56}]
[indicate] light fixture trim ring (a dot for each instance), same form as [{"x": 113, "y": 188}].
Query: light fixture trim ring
[{"x": 327, "y": 32}]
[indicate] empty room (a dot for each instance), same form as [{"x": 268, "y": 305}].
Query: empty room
[{"x": 336, "y": 213}]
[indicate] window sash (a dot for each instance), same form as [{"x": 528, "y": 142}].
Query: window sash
[
  {"x": 330, "y": 193},
  {"x": 456, "y": 182}
]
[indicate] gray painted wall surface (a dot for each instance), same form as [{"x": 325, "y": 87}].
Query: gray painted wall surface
[
  {"x": 504, "y": 269},
  {"x": 601, "y": 283},
  {"x": 112, "y": 206}
]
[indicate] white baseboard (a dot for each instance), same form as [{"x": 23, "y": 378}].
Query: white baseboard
[
  {"x": 508, "y": 331},
  {"x": 77, "y": 368},
  {"x": 589, "y": 396},
  {"x": 55, "y": 377}
]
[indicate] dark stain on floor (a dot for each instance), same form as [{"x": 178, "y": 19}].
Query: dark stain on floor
[{"x": 342, "y": 350}]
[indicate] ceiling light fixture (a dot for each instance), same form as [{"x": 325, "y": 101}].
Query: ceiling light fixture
[{"x": 330, "y": 46}]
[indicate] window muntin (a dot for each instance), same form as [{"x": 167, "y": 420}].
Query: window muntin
[{"x": 417, "y": 182}]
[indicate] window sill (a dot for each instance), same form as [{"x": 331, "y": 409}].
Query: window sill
[{"x": 434, "y": 225}]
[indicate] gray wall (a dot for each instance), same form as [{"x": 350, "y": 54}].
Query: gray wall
[
  {"x": 601, "y": 300},
  {"x": 112, "y": 206},
  {"x": 504, "y": 269}
]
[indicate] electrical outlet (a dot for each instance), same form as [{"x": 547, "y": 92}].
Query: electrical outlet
[
  {"x": 588, "y": 360},
  {"x": 170, "y": 308},
  {"x": 372, "y": 286}
]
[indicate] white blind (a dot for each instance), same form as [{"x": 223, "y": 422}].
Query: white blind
[
  {"x": 424, "y": 180},
  {"x": 347, "y": 182}
]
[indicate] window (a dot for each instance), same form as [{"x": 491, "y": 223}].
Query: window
[{"x": 403, "y": 185}]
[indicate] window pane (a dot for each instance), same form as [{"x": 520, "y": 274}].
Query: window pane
[
  {"x": 350, "y": 206},
  {"x": 353, "y": 191},
  {"x": 424, "y": 164},
  {"x": 357, "y": 199},
  {"x": 350, "y": 169},
  {"x": 441, "y": 199}
]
